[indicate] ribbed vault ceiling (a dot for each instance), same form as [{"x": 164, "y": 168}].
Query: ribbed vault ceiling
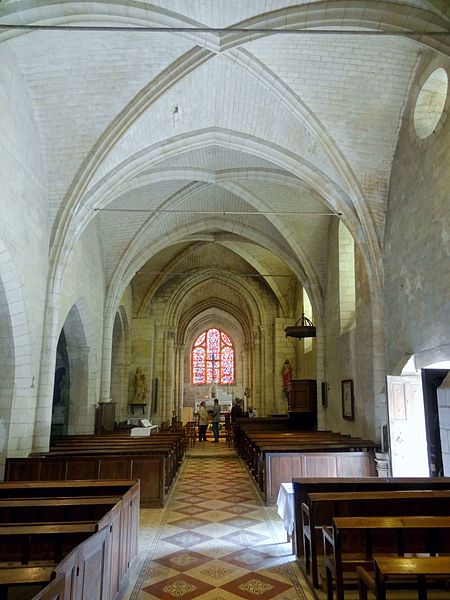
[{"x": 215, "y": 151}]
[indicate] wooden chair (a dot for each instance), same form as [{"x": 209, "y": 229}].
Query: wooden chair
[{"x": 191, "y": 433}]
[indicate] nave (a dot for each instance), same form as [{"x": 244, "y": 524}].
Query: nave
[{"x": 215, "y": 539}]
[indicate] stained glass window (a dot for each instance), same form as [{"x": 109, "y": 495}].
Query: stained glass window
[{"x": 212, "y": 358}]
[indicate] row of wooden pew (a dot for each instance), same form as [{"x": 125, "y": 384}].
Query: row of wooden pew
[
  {"x": 350, "y": 528},
  {"x": 75, "y": 540},
  {"x": 154, "y": 460},
  {"x": 275, "y": 454}
]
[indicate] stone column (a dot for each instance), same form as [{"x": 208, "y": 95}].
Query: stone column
[
  {"x": 43, "y": 414},
  {"x": 80, "y": 417},
  {"x": 179, "y": 379},
  {"x": 168, "y": 387}
]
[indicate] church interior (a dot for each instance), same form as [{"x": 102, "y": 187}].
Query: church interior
[{"x": 225, "y": 199}]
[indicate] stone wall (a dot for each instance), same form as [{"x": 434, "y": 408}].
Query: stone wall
[
  {"x": 417, "y": 241},
  {"x": 23, "y": 255},
  {"x": 349, "y": 356}
]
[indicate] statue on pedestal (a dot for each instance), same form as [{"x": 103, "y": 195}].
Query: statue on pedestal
[
  {"x": 140, "y": 388},
  {"x": 286, "y": 373}
]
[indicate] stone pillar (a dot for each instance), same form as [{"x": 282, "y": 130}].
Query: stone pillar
[
  {"x": 81, "y": 411},
  {"x": 44, "y": 404},
  {"x": 168, "y": 387},
  {"x": 179, "y": 379}
]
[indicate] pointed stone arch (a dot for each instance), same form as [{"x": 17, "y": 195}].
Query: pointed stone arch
[
  {"x": 82, "y": 364},
  {"x": 120, "y": 362}
]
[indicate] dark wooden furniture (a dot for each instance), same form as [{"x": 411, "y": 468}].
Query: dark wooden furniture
[
  {"x": 320, "y": 509},
  {"x": 406, "y": 570},
  {"x": 353, "y": 541},
  {"x": 154, "y": 460},
  {"x": 309, "y": 485},
  {"x": 302, "y": 396},
  {"x": 94, "y": 465},
  {"x": 105, "y": 417},
  {"x": 23, "y": 576},
  {"x": 274, "y": 457},
  {"x": 82, "y": 559}
]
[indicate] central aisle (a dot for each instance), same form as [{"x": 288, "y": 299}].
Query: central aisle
[{"x": 215, "y": 539}]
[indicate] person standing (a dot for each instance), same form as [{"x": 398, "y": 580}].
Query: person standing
[
  {"x": 236, "y": 410},
  {"x": 216, "y": 420},
  {"x": 203, "y": 420}
]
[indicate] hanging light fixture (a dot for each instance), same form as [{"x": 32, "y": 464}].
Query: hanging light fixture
[{"x": 304, "y": 328}]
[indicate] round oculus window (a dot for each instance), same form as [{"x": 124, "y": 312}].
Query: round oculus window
[{"x": 430, "y": 103}]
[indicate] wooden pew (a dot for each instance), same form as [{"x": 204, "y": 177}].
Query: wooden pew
[
  {"x": 321, "y": 461},
  {"x": 89, "y": 465},
  {"x": 171, "y": 446},
  {"x": 23, "y": 510},
  {"x": 28, "y": 542},
  {"x": 175, "y": 440},
  {"x": 308, "y": 485},
  {"x": 320, "y": 509},
  {"x": 56, "y": 590},
  {"x": 23, "y": 576},
  {"x": 274, "y": 457},
  {"x": 98, "y": 553},
  {"x": 412, "y": 569},
  {"x": 352, "y": 542}
]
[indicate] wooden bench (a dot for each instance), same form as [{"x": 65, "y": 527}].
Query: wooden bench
[
  {"x": 23, "y": 576},
  {"x": 353, "y": 541},
  {"x": 14, "y": 510},
  {"x": 275, "y": 457},
  {"x": 397, "y": 570},
  {"x": 320, "y": 509},
  {"x": 170, "y": 445},
  {"x": 88, "y": 560},
  {"x": 309, "y": 485},
  {"x": 25, "y": 542},
  {"x": 335, "y": 461},
  {"x": 91, "y": 465}
]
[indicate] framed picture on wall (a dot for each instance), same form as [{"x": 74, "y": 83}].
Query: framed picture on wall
[{"x": 348, "y": 402}]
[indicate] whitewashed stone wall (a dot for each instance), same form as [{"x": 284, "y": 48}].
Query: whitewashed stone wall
[
  {"x": 84, "y": 288},
  {"x": 350, "y": 355},
  {"x": 24, "y": 236},
  {"x": 417, "y": 242}
]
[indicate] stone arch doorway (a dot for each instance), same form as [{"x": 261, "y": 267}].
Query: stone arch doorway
[
  {"x": 61, "y": 390},
  {"x": 78, "y": 384}
]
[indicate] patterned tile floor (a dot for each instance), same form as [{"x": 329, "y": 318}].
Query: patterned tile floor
[{"x": 215, "y": 540}]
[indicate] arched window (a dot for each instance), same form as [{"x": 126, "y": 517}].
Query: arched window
[{"x": 212, "y": 358}]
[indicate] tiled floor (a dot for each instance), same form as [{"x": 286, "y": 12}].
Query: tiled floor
[{"x": 215, "y": 539}]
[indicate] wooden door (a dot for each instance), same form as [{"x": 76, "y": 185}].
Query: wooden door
[{"x": 407, "y": 435}]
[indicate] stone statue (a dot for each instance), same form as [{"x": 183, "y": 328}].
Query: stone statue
[
  {"x": 286, "y": 373},
  {"x": 140, "y": 388},
  {"x": 213, "y": 391}
]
